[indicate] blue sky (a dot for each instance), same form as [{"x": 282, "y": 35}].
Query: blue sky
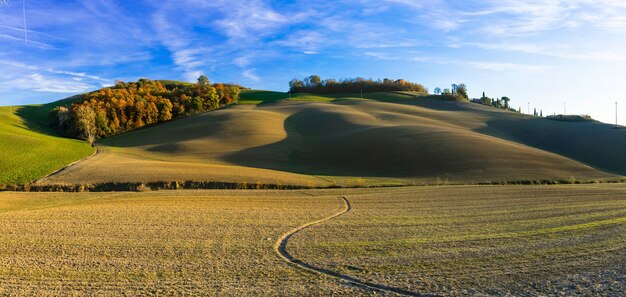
[{"x": 542, "y": 52}]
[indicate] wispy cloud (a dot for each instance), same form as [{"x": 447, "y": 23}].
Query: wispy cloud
[
  {"x": 380, "y": 56},
  {"x": 84, "y": 44},
  {"x": 42, "y": 83},
  {"x": 518, "y": 17},
  {"x": 249, "y": 74},
  {"x": 24, "y": 66}
]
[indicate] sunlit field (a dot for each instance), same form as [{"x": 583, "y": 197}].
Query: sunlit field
[
  {"x": 495, "y": 240},
  {"x": 29, "y": 149}
]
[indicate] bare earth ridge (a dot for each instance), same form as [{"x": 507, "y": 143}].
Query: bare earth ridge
[{"x": 344, "y": 142}]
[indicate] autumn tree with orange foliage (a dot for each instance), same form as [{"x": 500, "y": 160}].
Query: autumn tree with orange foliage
[{"x": 132, "y": 105}]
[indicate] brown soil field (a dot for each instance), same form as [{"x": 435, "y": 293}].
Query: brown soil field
[
  {"x": 445, "y": 240},
  {"x": 346, "y": 142}
]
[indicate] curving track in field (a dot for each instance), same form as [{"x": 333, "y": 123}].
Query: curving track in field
[{"x": 280, "y": 247}]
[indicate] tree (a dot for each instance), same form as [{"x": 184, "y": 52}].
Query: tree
[
  {"x": 535, "y": 112},
  {"x": 165, "y": 110},
  {"x": 86, "y": 123},
  {"x": 437, "y": 91},
  {"x": 196, "y": 104},
  {"x": 314, "y": 80},
  {"x": 234, "y": 92},
  {"x": 506, "y": 101},
  {"x": 461, "y": 91},
  {"x": 59, "y": 116},
  {"x": 203, "y": 80},
  {"x": 314, "y": 84},
  {"x": 132, "y": 105},
  {"x": 294, "y": 84}
]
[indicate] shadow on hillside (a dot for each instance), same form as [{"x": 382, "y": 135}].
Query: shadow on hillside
[
  {"x": 36, "y": 117},
  {"x": 143, "y": 136},
  {"x": 596, "y": 144},
  {"x": 324, "y": 143},
  {"x": 292, "y": 153}
]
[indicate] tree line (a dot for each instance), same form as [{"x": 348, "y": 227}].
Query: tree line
[
  {"x": 457, "y": 92},
  {"x": 502, "y": 103},
  {"x": 131, "y": 105},
  {"x": 314, "y": 84}
]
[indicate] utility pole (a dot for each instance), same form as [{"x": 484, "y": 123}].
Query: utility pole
[
  {"x": 528, "y": 107},
  {"x": 564, "y": 108}
]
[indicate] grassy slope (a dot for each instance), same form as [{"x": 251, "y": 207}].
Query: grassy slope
[
  {"x": 516, "y": 240},
  {"x": 31, "y": 150},
  {"x": 326, "y": 138}
]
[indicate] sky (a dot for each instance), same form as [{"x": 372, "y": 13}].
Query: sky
[{"x": 547, "y": 54}]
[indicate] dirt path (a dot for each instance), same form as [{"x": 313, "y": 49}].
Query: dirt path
[{"x": 281, "y": 249}]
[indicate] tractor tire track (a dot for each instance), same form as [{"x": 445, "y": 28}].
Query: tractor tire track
[{"x": 280, "y": 247}]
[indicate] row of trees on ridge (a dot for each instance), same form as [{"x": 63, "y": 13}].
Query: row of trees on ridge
[
  {"x": 502, "y": 103},
  {"x": 458, "y": 92},
  {"x": 314, "y": 84}
]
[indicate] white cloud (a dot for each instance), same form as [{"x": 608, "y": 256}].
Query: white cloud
[
  {"x": 242, "y": 61},
  {"x": 21, "y": 76},
  {"x": 192, "y": 76},
  {"x": 42, "y": 83},
  {"x": 380, "y": 56},
  {"x": 249, "y": 74},
  {"x": 518, "y": 17},
  {"x": 78, "y": 74}
]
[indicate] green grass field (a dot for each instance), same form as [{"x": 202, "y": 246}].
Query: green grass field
[
  {"x": 29, "y": 148},
  {"x": 488, "y": 240}
]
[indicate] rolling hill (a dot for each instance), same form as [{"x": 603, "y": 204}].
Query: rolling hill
[
  {"x": 29, "y": 148},
  {"x": 386, "y": 138}
]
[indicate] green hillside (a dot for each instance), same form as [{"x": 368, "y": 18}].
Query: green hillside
[
  {"x": 29, "y": 148},
  {"x": 390, "y": 138}
]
